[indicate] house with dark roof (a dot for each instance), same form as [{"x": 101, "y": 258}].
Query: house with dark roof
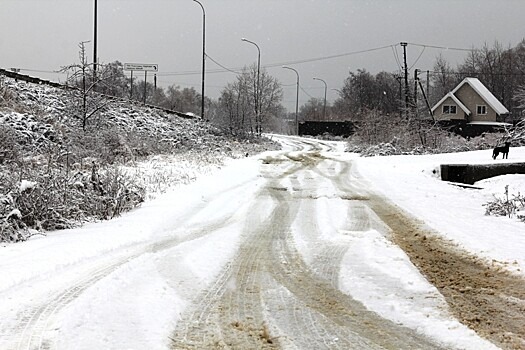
[{"x": 471, "y": 103}]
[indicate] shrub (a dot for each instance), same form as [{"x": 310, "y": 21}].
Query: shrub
[
  {"x": 506, "y": 206},
  {"x": 9, "y": 148},
  {"x": 376, "y": 135},
  {"x": 47, "y": 198}
]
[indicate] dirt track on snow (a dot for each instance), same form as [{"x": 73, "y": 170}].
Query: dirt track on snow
[
  {"x": 269, "y": 298},
  {"x": 481, "y": 294}
]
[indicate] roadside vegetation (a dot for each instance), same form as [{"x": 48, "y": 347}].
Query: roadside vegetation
[{"x": 59, "y": 169}]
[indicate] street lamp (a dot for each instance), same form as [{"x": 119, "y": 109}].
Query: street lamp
[
  {"x": 296, "y": 100},
  {"x": 203, "y": 55},
  {"x": 325, "y": 88},
  {"x": 257, "y": 117}
]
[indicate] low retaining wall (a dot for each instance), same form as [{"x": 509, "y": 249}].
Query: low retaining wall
[
  {"x": 470, "y": 173},
  {"x": 335, "y": 128}
]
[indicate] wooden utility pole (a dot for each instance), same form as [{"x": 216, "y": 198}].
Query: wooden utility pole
[
  {"x": 407, "y": 91},
  {"x": 428, "y": 83},
  {"x": 416, "y": 80}
]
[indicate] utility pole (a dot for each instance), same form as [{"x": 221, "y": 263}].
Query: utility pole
[
  {"x": 404, "y": 45},
  {"x": 416, "y": 80},
  {"x": 398, "y": 78},
  {"x": 95, "y": 15},
  {"x": 145, "y": 84},
  {"x": 428, "y": 83},
  {"x": 203, "y": 56},
  {"x": 131, "y": 87}
]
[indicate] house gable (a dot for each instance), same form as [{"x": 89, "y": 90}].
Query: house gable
[
  {"x": 484, "y": 93},
  {"x": 450, "y": 108},
  {"x": 481, "y": 110}
]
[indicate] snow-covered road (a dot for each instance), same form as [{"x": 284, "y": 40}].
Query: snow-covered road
[{"x": 287, "y": 250}]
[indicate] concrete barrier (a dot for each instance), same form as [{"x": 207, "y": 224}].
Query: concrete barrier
[{"x": 470, "y": 173}]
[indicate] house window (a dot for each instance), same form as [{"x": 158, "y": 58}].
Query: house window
[
  {"x": 449, "y": 109},
  {"x": 481, "y": 109}
]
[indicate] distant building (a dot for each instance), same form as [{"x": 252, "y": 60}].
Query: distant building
[{"x": 472, "y": 106}]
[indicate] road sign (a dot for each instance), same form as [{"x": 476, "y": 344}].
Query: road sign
[{"x": 141, "y": 67}]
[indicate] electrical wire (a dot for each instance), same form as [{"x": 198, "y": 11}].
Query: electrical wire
[
  {"x": 396, "y": 56},
  {"x": 442, "y": 47},
  {"x": 418, "y": 57},
  {"x": 278, "y": 64},
  {"x": 477, "y": 73},
  {"x": 237, "y": 70},
  {"x": 223, "y": 67},
  {"x": 326, "y": 57},
  {"x": 303, "y": 90}
]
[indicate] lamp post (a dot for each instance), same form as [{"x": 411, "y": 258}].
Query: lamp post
[
  {"x": 296, "y": 100},
  {"x": 203, "y": 55},
  {"x": 325, "y": 88},
  {"x": 257, "y": 117}
]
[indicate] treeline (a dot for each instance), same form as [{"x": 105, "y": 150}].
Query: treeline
[{"x": 113, "y": 81}]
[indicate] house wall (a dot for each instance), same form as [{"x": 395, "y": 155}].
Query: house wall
[
  {"x": 438, "y": 114},
  {"x": 470, "y": 98}
]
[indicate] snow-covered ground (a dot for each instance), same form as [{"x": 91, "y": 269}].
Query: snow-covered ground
[
  {"x": 413, "y": 182},
  {"x": 135, "y": 305}
]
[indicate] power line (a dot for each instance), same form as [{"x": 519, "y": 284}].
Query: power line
[
  {"x": 478, "y": 73},
  {"x": 220, "y": 65},
  {"x": 396, "y": 56},
  {"x": 326, "y": 57},
  {"x": 236, "y": 70},
  {"x": 418, "y": 57},
  {"x": 442, "y": 47},
  {"x": 278, "y": 64},
  {"x": 303, "y": 90}
]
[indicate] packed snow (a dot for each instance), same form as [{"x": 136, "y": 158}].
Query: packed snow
[{"x": 136, "y": 306}]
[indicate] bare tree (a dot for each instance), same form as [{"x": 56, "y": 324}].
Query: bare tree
[
  {"x": 312, "y": 109},
  {"x": 86, "y": 104},
  {"x": 270, "y": 98},
  {"x": 237, "y": 102},
  {"x": 443, "y": 79}
]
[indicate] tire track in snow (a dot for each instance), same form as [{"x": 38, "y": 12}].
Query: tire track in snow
[
  {"x": 479, "y": 294},
  {"x": 232, "y": 314},
  {"x": 274, "y": 300},
  {"x": 32, "y": 330}
]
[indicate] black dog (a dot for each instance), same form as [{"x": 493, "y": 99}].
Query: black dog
[{"x": 504, "y": 150}]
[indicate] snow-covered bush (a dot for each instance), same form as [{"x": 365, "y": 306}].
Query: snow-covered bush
[
  {"x": 6, "y": 95},
  {"x": 48, "y": 198},
  {"x": 9, "y": 148},
  {"x": 508, "y": 206},
  {"x": 390, "y": 135}
]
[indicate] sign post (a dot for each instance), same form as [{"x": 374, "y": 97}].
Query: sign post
[{"x": 145, "y": 67}]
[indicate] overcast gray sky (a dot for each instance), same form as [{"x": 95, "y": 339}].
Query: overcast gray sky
[{"x": 43, "y": 35}]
